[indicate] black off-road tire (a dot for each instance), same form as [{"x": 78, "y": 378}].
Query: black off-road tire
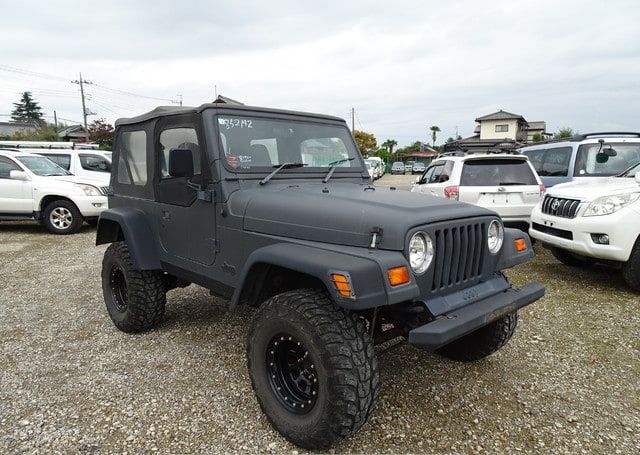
[
  {"x": 135, "y": 299},
  {"x": 631, "y": 268},
  {"x": 483, "y": 342},
  {"x": 343, "y": 362},
  {"x": 569, "y": 258},
  {"x": 62, "y": 217}
]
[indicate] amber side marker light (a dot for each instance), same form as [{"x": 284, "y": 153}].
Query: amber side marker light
[
  {"x": 342, "y": 284},
  {"x": 398, "y": 275},
  {"x": 520, "y": 245}
]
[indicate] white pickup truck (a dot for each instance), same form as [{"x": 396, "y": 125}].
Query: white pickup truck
[{"x": 33, "y": 187}]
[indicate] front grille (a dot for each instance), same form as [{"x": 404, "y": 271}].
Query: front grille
[
  {"x": 553, "y": 231},
  {"x": 556, "y": 206},
  {"x": 106, "y": 190},
  {"x": 460, "y": 252}
]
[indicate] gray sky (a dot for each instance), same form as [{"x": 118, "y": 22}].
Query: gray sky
[{"x": 404, "y": 66}]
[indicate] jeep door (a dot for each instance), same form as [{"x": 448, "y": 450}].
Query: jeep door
[
  {"x": 187, "y": 224},
  {"x": 16, "y": 196}
]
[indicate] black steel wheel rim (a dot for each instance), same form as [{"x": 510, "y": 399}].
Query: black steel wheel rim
[
  {"x": 292, "y": 373},
  {"x": 118, "y": 286}
]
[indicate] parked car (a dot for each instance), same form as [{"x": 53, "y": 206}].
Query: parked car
[
  {"x": 376, "y": 168},
  {"x": 381, "y": 165},
  {"x": 370, "y": 169},
  {"x": 333, "y": 267},
  {"x": 584, "y": 156},
  {"x": 595, "y": 220},
  {"x": 33, "y": 187},
  {"x": 408, "y": 166},
  {"x": 506, "y": 183},
  {"x": 82, "y": 163},
  {"x": 418, "y": 167},
  {"x": 397, "y": 168}
]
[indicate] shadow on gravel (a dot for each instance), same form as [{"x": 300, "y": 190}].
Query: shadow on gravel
[{"x": 34, "y": 228}]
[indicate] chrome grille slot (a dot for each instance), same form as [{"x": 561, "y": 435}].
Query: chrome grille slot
[{"x": 561, "y": 207}]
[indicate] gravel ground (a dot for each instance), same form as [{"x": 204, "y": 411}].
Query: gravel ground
[{"x": 71, "y": 382}]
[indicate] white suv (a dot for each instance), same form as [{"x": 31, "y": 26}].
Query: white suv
[
  {"x": 593, "y": 220},
  {"x": 505, "y": 183},
  {"x": 33, "y": 187}
]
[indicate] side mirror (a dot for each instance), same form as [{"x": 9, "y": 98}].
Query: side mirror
[
  {"x": 18, "y": 175},
  {"x": 181, "y": 163}
]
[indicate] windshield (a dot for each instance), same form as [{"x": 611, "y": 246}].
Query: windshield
[
  {"x": 627, "y": 155},
  {"x": 497, "y": 173},
  {"x": 252, "y": 143},
  {"x": 42, "y": 166}
]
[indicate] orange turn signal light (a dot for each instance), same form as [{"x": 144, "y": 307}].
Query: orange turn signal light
[
  {"x": 398, "y": 275},
  {"x": 342, "y": 284},
  {"x": 520, "y": 245}
]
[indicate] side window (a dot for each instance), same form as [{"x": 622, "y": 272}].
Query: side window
[
  {"x": 95, "y": 163},
  {"x": 6, "y": 166},
  {"x": 427, "y": 175},
  {"x": 63, "y": 160},
  {"x": 556, "y": 162},
  {"x": 132, "y": 164},
  {"x": 437, "y": 171},
  {"x": 178, "y": 138},
  {"x": 536, "y": 157},
  {"x": 446, "y": 172}
]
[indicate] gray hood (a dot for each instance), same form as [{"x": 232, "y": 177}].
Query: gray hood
[{"x": 346, "y": 214}]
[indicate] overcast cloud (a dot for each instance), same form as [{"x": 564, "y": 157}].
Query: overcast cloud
[{"x": 402, "y": 65}]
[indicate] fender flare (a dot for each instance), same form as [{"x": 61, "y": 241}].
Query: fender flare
[
  {"x": 132, "y": 227},
  {"x": 366, "y": 276}
]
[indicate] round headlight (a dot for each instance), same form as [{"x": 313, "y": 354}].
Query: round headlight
[
  {"x": 495, "y": 236},
  {"x": 421, "y": 252}
]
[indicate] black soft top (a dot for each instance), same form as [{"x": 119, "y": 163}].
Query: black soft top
[{"x": 163, "y": 111}]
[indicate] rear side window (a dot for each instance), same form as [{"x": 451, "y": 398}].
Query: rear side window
[
  {"x": 497, "y": 173},
  {"x": 64, "y": 161},
  {"x": 556, "y": 162},
  {"x": 179, "y": 138},
  {"x": 536, "y": 157},
  {"x": 132, "y": 164},
  {"x": 95, "y": 163}
]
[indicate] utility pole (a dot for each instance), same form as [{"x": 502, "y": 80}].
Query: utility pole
[
  {"x": 215, "y": 92},
  {"x": 353, "y": 119},
  {"x": 180, "y": 99},
  {"x": 81, "y": 83},
  {"x": 55, "y": 120}
]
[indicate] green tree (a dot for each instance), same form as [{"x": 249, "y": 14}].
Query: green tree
[
  {"x": 389, "y": 144},
  {"x": 434, "y": 131},
  {"x": 101, "y": 133},
  {"x": 537, "y": 137},
  {"x": 367, "y": 142},
  {"x": 564, "y": 133},
  {"x": 27, "y": 110}
]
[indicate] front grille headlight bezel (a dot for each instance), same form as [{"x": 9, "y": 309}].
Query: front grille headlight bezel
[
  {"x": 495, "y": 236},
  {"x": 421, "y": 252}
]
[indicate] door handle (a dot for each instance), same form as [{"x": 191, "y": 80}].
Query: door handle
[{"x": 166, "y": 216}]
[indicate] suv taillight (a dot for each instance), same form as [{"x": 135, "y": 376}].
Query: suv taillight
[{"x": 451, "y": 192}]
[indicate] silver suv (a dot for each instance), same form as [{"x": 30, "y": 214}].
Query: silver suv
[{"x": 584, "y": 156}]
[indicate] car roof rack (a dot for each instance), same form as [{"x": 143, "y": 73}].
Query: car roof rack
[
  {"x": 479, "y": 152},
  {"x": 606, "y": 133}
]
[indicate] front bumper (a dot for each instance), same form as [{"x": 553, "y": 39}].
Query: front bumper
[
  {"x": 622, "y": 233},
  {"x": 90, "y": 206},
  {"x": 458, "y": 323}
]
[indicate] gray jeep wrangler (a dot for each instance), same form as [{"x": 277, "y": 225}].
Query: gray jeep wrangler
[{"x": 276, "y": 210}]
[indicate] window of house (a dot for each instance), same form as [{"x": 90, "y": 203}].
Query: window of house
[
  {"x": 502, "y": 128},
  {"x": 132, "y": 163},
  {"x": 179, "y": 138}
]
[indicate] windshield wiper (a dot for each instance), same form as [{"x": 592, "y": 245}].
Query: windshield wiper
[
  {"x": 626, "y": 171},
  {"x": 334, "y": 165},
  {"x": 280, "y": 167}
]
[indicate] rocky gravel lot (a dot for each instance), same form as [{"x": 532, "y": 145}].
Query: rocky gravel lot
[{"x": 70, "y": 382}]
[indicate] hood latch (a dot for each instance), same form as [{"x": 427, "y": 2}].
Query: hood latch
[{"x": 376, "y": 237}]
